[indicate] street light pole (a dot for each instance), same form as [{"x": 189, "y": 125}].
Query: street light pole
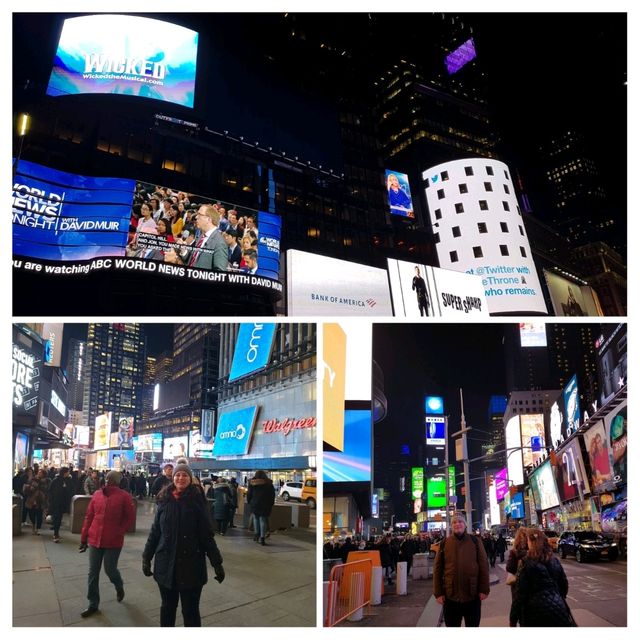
[
  {"x": 465, "y": 459},
  {"x": 446, "y": 474}
]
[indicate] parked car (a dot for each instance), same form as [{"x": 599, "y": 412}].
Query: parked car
[
  {"x": 291, "y": 490},
  {"x": 552, "y": 537},
  {"x": 587, "y": 545},
  {"x": 309, "y": 493}
]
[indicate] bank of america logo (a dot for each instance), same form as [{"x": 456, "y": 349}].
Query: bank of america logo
[{"x": 371, "y": 302}]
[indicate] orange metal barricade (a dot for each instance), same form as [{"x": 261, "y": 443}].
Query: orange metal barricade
[{"x": 349, "y": 590}]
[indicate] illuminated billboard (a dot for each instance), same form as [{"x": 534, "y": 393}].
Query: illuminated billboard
[
  {"x": 127, "y": 55},
  {"x": 69, "y": 225},
  {"x": 572, "y": 404},
  {"x": 200, "y": 447},
  {"x": 321, "y": 286},
  {"x": 436, "y": 492},
  {"x": 253, "y": 348},
  {"x": 234, "y": 431},
  {"x": 434, "y": 405},
  {"x": 419, "y": 290},
  {"x": 532, "y": 437},
  {"x": 513, "y": 444},
  {"x": 460, "y": 56},
  {"x": 333, "y": 373},
  {"x": 616, "y": 430},
  {"x": 598, "y": 451},
  {"x": 175, "y": 447},
  {"x": 533, "y": 334},
  {"x": 26, "y": 368},
  {"x": 569, "y": 472},
  {"x": 148, "y": 442},
  {"x": 612, "y": 360},
  {"x": 516, "y": 505},
  {"x": 353, "y": 464},
  {"x": 125, "y": 432},
  {"x": 494, "y": 507},
  {"x": 435, "y": 427},
  {"x": 571, "y": 299},
  {"x": 545, "y": 494},
  {"x": 502, "y": 484},
  {"x": 120, "y": 460},
  {"x": 399, "y": 194},
  {"x": 102, "y": 432},
  {"x": 417, "y": 482}
]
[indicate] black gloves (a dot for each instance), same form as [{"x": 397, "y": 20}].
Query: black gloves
[
  {"x": 146, "y": 567},
  {"x": 219, "y": 572},
  {"x": 83, "y": 547}
]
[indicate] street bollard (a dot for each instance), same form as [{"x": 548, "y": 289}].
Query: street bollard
[
  {"x": 401, "y": 579},
  {"x": 356, "y": 597},
  {"x": 420, "y": 568},
  {"x": 376, "y": 586}
]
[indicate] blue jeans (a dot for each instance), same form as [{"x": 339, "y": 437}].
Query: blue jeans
[
  {"x": 110, "y": 557},
  {"x": 261, "y": 525}
]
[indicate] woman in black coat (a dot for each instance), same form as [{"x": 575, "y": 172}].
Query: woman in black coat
[
  {"x": 541, "y": 587},
  {"x": 180, "y": 538},
  {"x": 261, "y": 496}
]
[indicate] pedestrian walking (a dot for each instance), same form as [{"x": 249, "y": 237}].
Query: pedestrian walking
[
  {"x": 501, "y": 547},
  {"x": 91, "y": 483},
  {"x": 110, "y": 515},
  {"x": 181, "y": 537},
  {"x": 221, "y": 501},
  {"x": 233, "y": 505},
  {"x": 35, "y": 499},
  {"x": 489, "y": 548},
  {"x": 162, "y": 480},
  {"x": 541, "y": 587},
  {"x": 261, "y": 496},
  {"x": 60, "y": 491},
  {"x": 461, "y": 576}
]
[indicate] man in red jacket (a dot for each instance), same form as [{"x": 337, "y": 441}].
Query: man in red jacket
[{"x": 109, "y": 515}]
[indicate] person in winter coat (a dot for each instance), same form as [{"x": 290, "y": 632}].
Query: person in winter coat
[
  {"x": 541, "y": 587},
  {"x": 233, "y": 505},
  {"x": 92, "y": 483},
  {"x": 35, "y": 499},
  {"x": 386, "y": 560},
  {"x": 181, "y": 536},
  {"x": 60, "y": 492},
  {"x": 490, "y": 548},
  {"x": 162, "y": 480},
  {"x": 261, "y": 496},
  {"x": 516, "y": 557},
  {"x": 221, "y": 501},
  {"x": 461, "y": 576},
  {"x": 109, "y": 516},
  {"x": 501, "y": 546}
]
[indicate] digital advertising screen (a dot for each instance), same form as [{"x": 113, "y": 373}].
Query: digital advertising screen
[
  {"x": 234, "y": 431},
  {"x": 436, "y": 492},
  {"x": 71, "y": 225},
  {"x": 556, "y": 421},
  {"x": 399, "y": 194},
  {"x": 611, "y": 348},
  {"x": 569, "y": 472},
  {"x": 599, "y": 455},
  {"x": 199, "y": 446},
  {"x": 102, "y": 432},
  {"x": 253, "y": 348},
  {"x": 616, "y": 429},
  {"x": 26, "y": 369},
  {"x": 502, "y": 484},
  {"x": 571, "y": 299},
  {"x": 322, "y": 286},
  {"x": 148, "y": 442},
  {"x": 460, "y": 56},
  {"x": 545, "y": 493},
  {"x": 417, "y": 482},
  {"x": 353, "y": 464},
  {"x": 419, "y": 290},
  {"x": 126, "y": 55},
  {"x": 533, "y": 334},
  {"x": 175, "y": 447},
  {"x": 516, "y": 506},
  {"x": 20, "y": 451},
  {"x": 513, "y": 445},
  {"x": 333, "y": 374},
  {"x": 125, "y": 432},
  {"x": 613, "y": 518},
  {"x": 434, "y": 405},
  {"x": 120, "y": 460},
  {"x": 532, "y": 434},
  {"x": 81, "y": 435},
  {"x": 435, "y": 427},
  {"x": 494, "y": 507},
  {"x": 572, "y": 403}
]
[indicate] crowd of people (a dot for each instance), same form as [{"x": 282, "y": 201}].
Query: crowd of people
[{"x": 184, "y": 229}]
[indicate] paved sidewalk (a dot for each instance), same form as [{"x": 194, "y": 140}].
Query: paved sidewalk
[
  {"x": 270, "y": 586},
  {"x": 419, "y": 608}
]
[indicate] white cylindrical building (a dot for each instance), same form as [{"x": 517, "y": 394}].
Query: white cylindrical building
[{"x": 478, "y": 228}]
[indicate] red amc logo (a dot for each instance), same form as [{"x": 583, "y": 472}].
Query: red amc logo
[{"x": 287, "y": 425}]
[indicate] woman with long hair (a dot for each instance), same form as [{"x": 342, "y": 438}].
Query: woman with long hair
[
  {"x": 261, "y": 496},
  {"x": 180, "y": 538},
  {"x": 541, "y": 587}
]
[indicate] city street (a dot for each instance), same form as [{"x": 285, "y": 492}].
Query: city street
[
  {"x": 50, "y": 581},
  {"x": 597, "y": 597}
]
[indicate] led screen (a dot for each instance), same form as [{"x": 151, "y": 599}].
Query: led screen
[
  {"x": 321, "y": 286},
  {"x": 571, "y": 299},
  {"x": 419, "y": 290},
  {"x": 26, "y": 367},
  {"x": 572, "y": 404},
  {"x": 253, "y": 348},
  {"x": 569, "y": 472},
  {"x": 616, "y": 426},
  {"x": 150, "y": 442},
  {"x": 417, "y": 482},
  {"x": 494, "y": 507},
  {"x": 199, "y": 446},
  {"x": 435, "y": 430},
  {"x": 102, "y": 433},
  {"x": 545, "y": 493},
  {"x": 353, "y": 464},
  {"x": 612, "y": 360},
  {"x": 436, "y": 492},
  {"x": 233, "y": 434},
  {"x": 70, "y": 224},
  {"x": 514, "y": 451},
  {"x": 434, "y": 405},
  {"x": 20, "y": 451},
  {"x": 516, "y": 506},
  {"x": 532, "y": 434},
  {"x": 533, "y": 334},
  {"x": 125, "y": 432},
  {"x": 596, "y": 443},
  {"x": 460, "y": 56},
  {"x": 399, "y": 194},
  {"x": 119, "y": 460},
  {"x": 175, "y": 447},
  {"x": 502, "y": 484},
  {"x": 127, "y": 55},
  {"x": 614, "y": 517},
  {"x": 82, "y": 435}
]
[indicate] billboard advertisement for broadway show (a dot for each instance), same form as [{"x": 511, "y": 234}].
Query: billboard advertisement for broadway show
[
  {"x": 66, "y": 224},
  {"x": 127, "y": 55}
]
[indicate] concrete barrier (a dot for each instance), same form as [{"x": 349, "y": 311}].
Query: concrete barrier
[
  {"x": 79, "y": 506},
  {"x": 401, "y": 579},
  {"x": 376, "y": 586},
  {"x": 420, "y": 568}
]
